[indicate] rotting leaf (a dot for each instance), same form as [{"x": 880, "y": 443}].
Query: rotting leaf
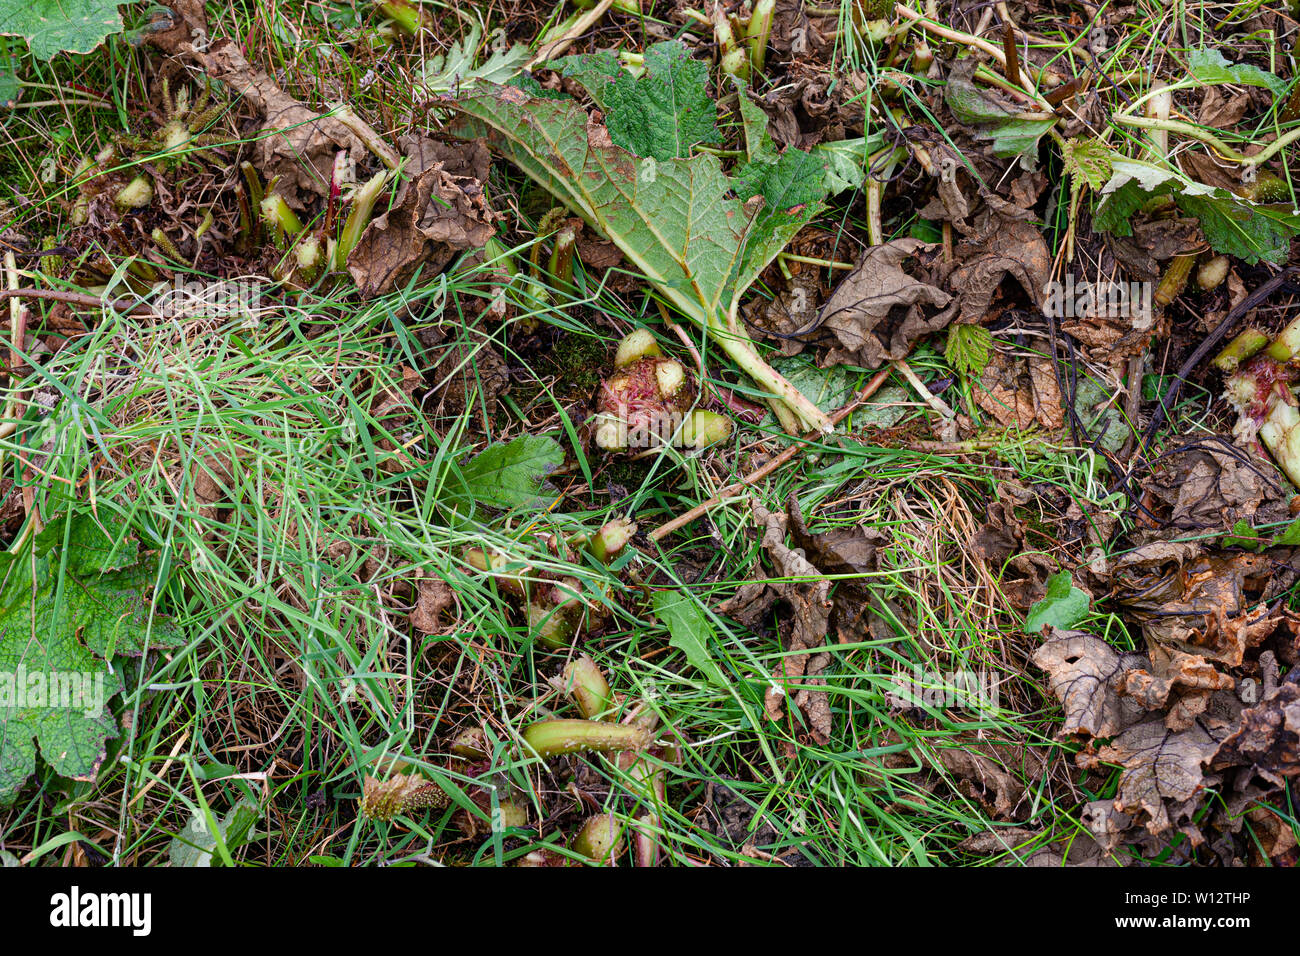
[
  {"x": 433, "y": 596},
  {"x": 1086, "y": 674},
  {"x": 809, "y": 599},
  {"x": 296, "y": 144},
  {"x": 876, "y": 311},
  {"x": 442, "y": 211},
  {"x": 1161, "y": 767},
  {"x": 1268, "y": 739}
]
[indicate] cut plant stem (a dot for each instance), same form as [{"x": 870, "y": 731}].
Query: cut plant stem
[
  {"x": 612, "y": 538},
  {"x": 598, "y": 838},
  {"x": 758, "y": 32},
  {"x": 409, "y": 18},
  {"x": 284, "y": 222},
  {"x": 363, "y": 206},
  {"x": 1174, "y": 281},
  {"x": 584, "y": 682},
  {"x": 560, "y": 265},
  {"x": 1245, "y": 345},
  {"x": 804, "y": 414},
  {"x": 550, "y": 738}
]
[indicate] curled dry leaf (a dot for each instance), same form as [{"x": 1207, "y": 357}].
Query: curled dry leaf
[
  {"x": 1180, "y": 682},
  {"x": 440, "y": 211},
  {"x": 295, "y": 143},
  {"x": 809, "y": 600},
  {"x": 1204, "y": 488},
  {"x": 1192, "y": 606},
  {"x": 1268, "y": 740},
  {"x": 432, "y": 597},
  {"x": 1005, "y": 246},
  {"x": 878, "y": 311}
]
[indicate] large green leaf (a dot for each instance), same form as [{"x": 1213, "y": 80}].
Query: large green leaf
[
  {"x": 1211, "y": 66},
  {"x": 53, "y": 26},
  {"x": 662, "y": 113},
  {"x": 69, "y": 606},
  {"x": 1232, "y": 225},
  {"x": 677, "y": 220}
]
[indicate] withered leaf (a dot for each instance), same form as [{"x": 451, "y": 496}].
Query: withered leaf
[
  {"x": 878, "y": 311},
  {"x": 296, "y": 143},
  {"x": 432, "y": 596},
  {"x": 810, "y": 602},
  {"x": 1178, "y": 682},
  {"x": 1161, "y": 767},
  {"x": 1005, "y": 246},
  {"x": 1268, "y": 740},
  {"x": 1086, "y": 674},
  {"x": 838, "y": 550},
  {"x": 443, "y": 210},
  {"x": 1021, "y": 392}
]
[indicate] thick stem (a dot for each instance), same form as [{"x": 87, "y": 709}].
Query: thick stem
[
  {"x": 550, "y": 738},
  {"x": 584, "y": 682},
  {"x": 741, "y": 351}
]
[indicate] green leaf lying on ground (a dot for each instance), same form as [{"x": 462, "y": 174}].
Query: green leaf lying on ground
[
  {"x": 1232, "y": 225},
  {"x": 1211, "y": 66},
  {"x": 662, "y": 113},
  {"x": 196, "y": 845},
  {"x": 506, "y": 476},
  {"x": 700, "y": 236},
  {"x": 1010, "y": 132},
  {"x": 69, "y": 606},
  {"x": 1063, "y": 607},
  {"x": 688, "y": 631},
  {"x": 55, "y": 26},
  {"x": 456, "y": 68}
]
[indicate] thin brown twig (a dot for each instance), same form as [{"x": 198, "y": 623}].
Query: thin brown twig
[
  {"x": 762, "y": 472},
  {"x": 79, "y": 298}
]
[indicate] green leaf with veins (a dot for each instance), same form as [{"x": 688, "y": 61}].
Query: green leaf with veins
[
  {"x": 1231, "y": 224},
  {"x": 456, "y": 68},
  {"x": 662, "y": 113},
  {"x": 698, "y": 235},
  {"x": 1063, "y": 606},
  {"x": 69, "y": 606},
  {"x": 1211, "y": 66},
  {"x": 1088, "y": 162},
  {"x": 55, "y": 26},
  {"x": 506, "y": 476},
  {"x": 968, "y": 348},
  {"x": 688, "y": 631},
  {"x": 676, "y": 220}
]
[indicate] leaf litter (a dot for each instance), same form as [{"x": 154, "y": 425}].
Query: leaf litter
[{"x": 715, "y": 200}]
